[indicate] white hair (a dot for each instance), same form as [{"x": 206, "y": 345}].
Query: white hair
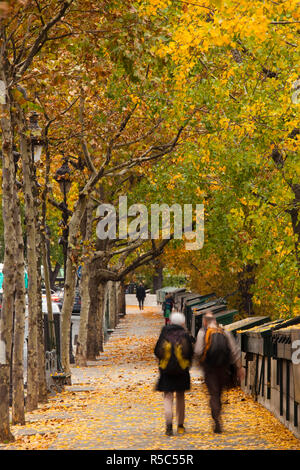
[{"x": 177, "y": 318}]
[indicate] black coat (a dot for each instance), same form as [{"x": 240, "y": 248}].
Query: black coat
[
  {"x": 140, "y": 292},
  {"x": 174, "y": 382}
]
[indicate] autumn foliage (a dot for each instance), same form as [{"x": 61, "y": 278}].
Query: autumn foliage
[
  {"x": 235, "y": 63},
  {"x": 165, "y": 101}
]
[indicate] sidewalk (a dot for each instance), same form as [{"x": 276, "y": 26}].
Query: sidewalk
[
  {"x": 150, "y": 300},
  {"x": 112, "y": 404}
]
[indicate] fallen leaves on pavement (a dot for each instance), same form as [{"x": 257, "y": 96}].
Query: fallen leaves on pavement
[{"x": 120, "y": 409}]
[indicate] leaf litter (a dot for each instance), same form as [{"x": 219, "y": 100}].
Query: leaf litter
[{"x": 123, "y": 410}]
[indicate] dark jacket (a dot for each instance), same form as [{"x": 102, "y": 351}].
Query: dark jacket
[
  {"x": 179, "y": 381},
  {"x": 167, "y": 306},
  {"x": 140, "y": 292}
]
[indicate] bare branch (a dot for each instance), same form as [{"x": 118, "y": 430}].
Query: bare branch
[
  {"x": 148, "y": 155},
  {"x": 129, "y": 248},
  {"x": 40, "y": 12},
  {"x": 42, "y": 37},
  {"x": 84, "y": 146},
  {"x": 139, "y": 139},
  {"x": 284, "y": 22},
  {"x": 145, "y": 258},
  {"x": 95, "y": 178},
  {"x": 195, "y": 4},
  {"x": 59, "y": 206}
]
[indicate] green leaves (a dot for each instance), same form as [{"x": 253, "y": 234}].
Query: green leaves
[{"x": 247, "y": 112}]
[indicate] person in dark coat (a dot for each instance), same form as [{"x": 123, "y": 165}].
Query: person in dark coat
[
  {"x": 140, "y": 295},
  {"x": 168, "y": 307},
  {"x": 174, "y": 349}
]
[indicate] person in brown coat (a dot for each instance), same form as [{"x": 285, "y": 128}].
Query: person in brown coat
[{"x": 216, "y": 365}]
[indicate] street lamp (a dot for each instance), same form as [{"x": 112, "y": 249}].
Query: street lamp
[
  {"x": 62, "y": 176},
  {"x": 35, "y": 136}
]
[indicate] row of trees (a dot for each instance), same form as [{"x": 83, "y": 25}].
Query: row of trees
[{"x": 85, "y": 69}]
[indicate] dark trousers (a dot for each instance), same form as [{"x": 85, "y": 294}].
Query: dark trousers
[
  {"x": 215, "y": 380},
  {"x": 141, "y": 303}
]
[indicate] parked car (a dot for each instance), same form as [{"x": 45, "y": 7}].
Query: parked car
[
  {"x": 55, "y": 307},
  {"x": 77, "y": 302},
  {"x": 55, "y": 295}
]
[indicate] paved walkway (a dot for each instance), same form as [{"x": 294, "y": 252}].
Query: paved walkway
[{"x": 112, "y": 405}]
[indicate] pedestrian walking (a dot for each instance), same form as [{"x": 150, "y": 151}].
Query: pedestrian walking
[
  {"x": 174, "y": 349},
  {"x": 168, "y": 307},
  {"x": 219, "y": 355},
  {"x": 141, "y": 295}
]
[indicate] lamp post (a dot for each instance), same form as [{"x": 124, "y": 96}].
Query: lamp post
[
  {"x": 62, "y": 176},
  {"x": 35, "y": 137},
  {"x": 36, "y": 144}
]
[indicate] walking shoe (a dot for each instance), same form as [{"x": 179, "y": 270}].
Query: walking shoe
[
  {"x": 217, "y": 428},
  {"x": 169, "y": 430},
  {"x": 180, "y": 429}
]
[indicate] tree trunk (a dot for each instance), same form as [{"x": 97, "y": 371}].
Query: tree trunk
[
  {"x": 32, "y": 365},
  {"x": 69, "y": 288},
  {"x": 121, "y": 298},
  {"x": 100, "y": 316},
  {"x": 92, "y": 349},
  {"x": 81, "y": 348},
  {"x": 113, "y": 320},
  {"x": 18, "y": 409},
  {"x": 42, "y": 391},
  {"x": 53, "y": 274},
  {"x": 5, "y": 434},
  {"x": 95, "y": 320},
  {"x": 246, "y": 279},
  {"x": 48, "y": 295},
  {"x": 158, "y": 276},
  {"x": 8, "y": 198}
]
